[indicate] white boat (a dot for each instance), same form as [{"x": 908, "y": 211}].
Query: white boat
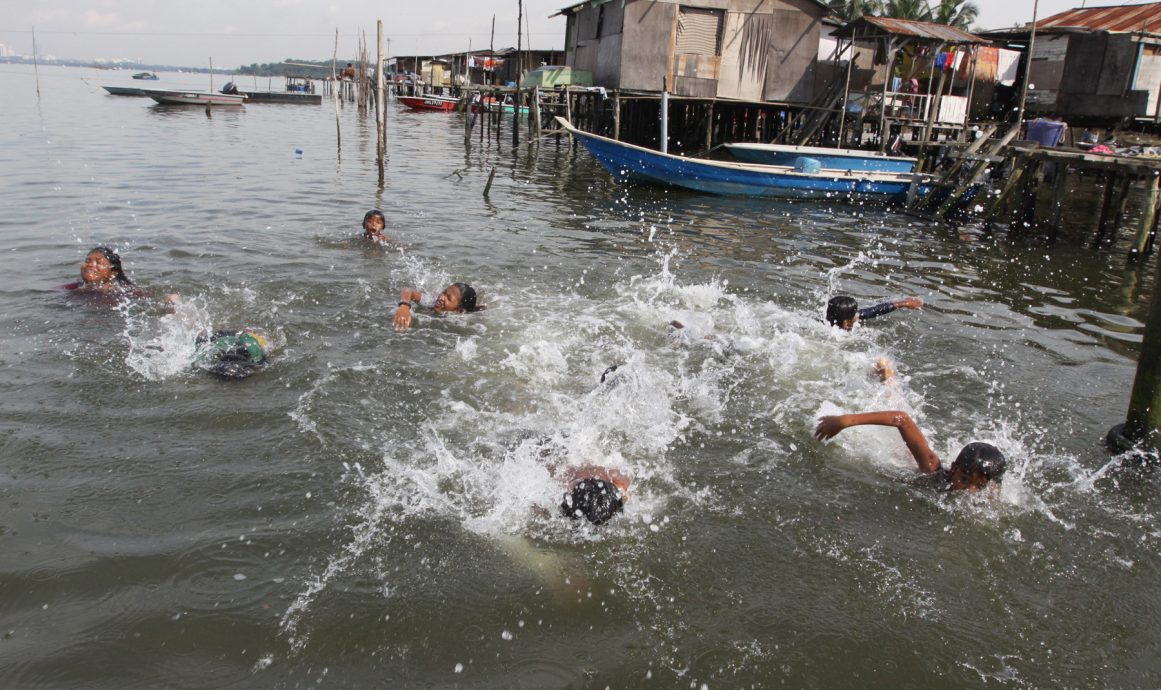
[
  {"x": 166, "y": 97},
  {"x": 832, "y": 159}
]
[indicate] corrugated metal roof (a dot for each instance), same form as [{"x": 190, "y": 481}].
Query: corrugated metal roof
[
  {"x": 905, "y": 27},
  {"x": 1146, "y": 18}
]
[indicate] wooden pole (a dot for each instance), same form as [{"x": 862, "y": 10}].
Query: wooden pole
[
  {"x": 535, "y": 109},
  {"x": 1144, "y": 418},
  {"x": 1028, "y": 65},
  {"x": 35, "y": 67},
  {"x": 1148, "y": 216},
  {"x": 846, "y": 95},
  {"x": 338, "y": 92},
  {"x": 1059, "y": 190},
  {"x": 380, "y": 101},
  {"x": 617, "y": 115},
  {"x": 664, "y": 116},
  {"x": 488, "y": 186},
  {"x": 519, "y": 43},
  {"x": 888, "y": 75}
]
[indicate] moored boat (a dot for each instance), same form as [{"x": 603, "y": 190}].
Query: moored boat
[
  {"x": 194, "y": 97},
  {"x": 430, "y": 102},
  {"x": 282, "y": 97},
  {"x": 629, "y": 163},
  {"x": 124, "y": 90},
  {"x": 834, "y": 159},
  {"x": 145, "y": 75}
]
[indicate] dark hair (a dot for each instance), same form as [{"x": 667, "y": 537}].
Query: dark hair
[
  {"x": 371, "y": 214},
  {"x": 596, "y": 499},
  {"x": 841, "y": 309},
  {"x": 114, "y": 260},
  {"x": 983, "y": 459},
  {"x": 467, "y": 296}
]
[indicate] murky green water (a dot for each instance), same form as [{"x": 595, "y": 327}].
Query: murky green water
[{"x": 369, "y": 510}]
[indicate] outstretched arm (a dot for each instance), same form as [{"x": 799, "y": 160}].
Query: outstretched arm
[
  {"x": 888, "y": 307},
  {"x": 928, "y": 461},
  {"x": 402, "y": 320}
]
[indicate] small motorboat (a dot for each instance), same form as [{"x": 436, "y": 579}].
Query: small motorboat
[
  {"x": 145, "y": 75},
  {"x": 430, "y": 102},
  {"x": 165, "y": 97},
  {"x": 833, "y": 159},
  {"x": 124, "y": 90}
]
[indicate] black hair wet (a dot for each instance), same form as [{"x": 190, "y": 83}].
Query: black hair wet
[
  {"x": 467, "y": 296},
  {"x": 373, "y": 213},
  {"x": 983, "y": 459},
  {"x": 596, "y": 499},
  {"x": 114, "y": 260},
  {"x": 841, "y": 309}
]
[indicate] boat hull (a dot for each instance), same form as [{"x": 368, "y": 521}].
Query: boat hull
[
  {"x": 629, "y": 163},
  {"x": 282, "y": 97},
  {"x": 437, "y": 103},
  {"x": 124, "y": 90},
  {"x": 833, "y": 159},
  {"x": 194, "y": 97}
]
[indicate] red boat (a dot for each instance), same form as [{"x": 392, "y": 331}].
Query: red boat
[{"x": 442, "y": 103}]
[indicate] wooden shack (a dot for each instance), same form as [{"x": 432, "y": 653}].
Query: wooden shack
[
  {"x": 907, "y": 78},
  {"x": 709, "y": 49},
  {"x": 1094, "y": 65}
]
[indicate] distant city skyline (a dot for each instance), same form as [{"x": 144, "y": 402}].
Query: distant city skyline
[{"x": 236, "y": 33}]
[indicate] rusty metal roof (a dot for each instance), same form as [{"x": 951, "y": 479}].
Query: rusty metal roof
[
  {"x": 879, "y": 26},
  {"x": 1145, "y": 18}
]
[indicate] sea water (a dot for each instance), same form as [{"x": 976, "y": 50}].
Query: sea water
[{"x": 376, "y": 508}]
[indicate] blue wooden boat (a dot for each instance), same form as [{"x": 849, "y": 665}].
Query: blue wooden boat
[
  {"x": 629, "y": 163},
  {"x": 834, "y": 159}
]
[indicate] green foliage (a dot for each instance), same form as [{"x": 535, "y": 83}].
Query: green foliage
[
  {"x": 957, "y": 13},
  {"x": 853, "y": 9},
  {"x": 318, "y": 69}
]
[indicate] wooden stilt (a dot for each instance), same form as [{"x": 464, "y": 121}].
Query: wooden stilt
[{"x": 1148, "y": 219}]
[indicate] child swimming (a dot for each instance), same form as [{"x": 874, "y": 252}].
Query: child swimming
[
  {"x": 456, "y": 298},
  {"x": 978, "y": 465},
  {"x": 843, "y": 311},
  {"x": 232, "y": 354}
]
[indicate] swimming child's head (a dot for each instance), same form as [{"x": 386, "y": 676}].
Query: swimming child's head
[
  {"x": 842, "y": 311},
  {"x": 103, "y": 266},
  {"x": 977, "y": 465},
  {"x": 456, "y": 297},
  {"x": 373, "y": 223},
  {"x": 596, "y": 499}
]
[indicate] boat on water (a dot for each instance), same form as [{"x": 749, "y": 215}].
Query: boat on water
[
  {"x": 124, "y": 90},
  {"x": 295, "y": 93},
  {"x": 430, "y": 102},
  {"x": 494, "y": 106},
  {"x": 145, "y": 75},
  {"x": 281, "y": 97},
  {"x": 629, "y": 163},
  {"x": 165, "y": 97},
  {"x": 833, "y": 159}
]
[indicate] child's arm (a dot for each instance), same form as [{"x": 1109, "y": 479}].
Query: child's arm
[
  {"x": 402, "y": 320},
  {"x": 928, "y": 461},
  {"x": 888, "y": 307}
]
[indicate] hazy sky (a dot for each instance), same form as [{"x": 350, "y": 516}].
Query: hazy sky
[{"x": 239, "y": 32}]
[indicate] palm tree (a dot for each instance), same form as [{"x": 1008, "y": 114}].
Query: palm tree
[
  {"x": 958, "y": 13},
  {"x": 853, "y": 9},
  {"x": 917, "y": 10}
]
